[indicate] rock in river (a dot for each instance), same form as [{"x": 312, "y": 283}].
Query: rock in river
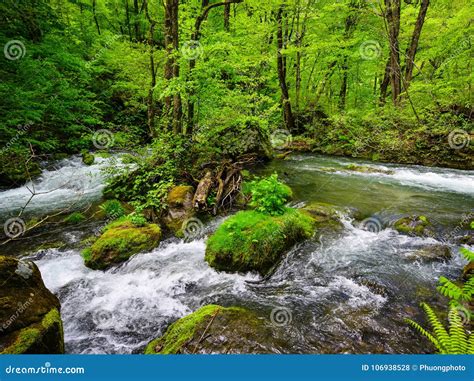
[{"x": 30, "y": 321}]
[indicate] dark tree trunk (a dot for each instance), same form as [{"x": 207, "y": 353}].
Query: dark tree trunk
[
  {"x": 151, "y": 110},
  {"x": 94, "y": 3},
  {"x": 135, "y": 21},
  {"x": 384, "y": 84},
  {"x": 281, "y": 67},
  {"x": 393, "y": 21},
  {"x": 411, "y": 50},
  {"x": 227, "y": 16}
]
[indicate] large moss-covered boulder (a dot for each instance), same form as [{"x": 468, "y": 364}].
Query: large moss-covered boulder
[
  {"x": 180, "y": 207},
  {"x": 88, "y": 158},
  {"x": 121, "y": 240},
  {"x": 216, "y": 329},
  {"x": 414, "y": 226},
  {"x": 29, "y": 313},
  {"x": 253, "y": 241}
]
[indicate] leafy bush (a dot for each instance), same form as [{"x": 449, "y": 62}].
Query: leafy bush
[
  {"x": 137, "y": 220},
  {"x": 269, "y": 195},
  {"x": 113, "y": 209}
]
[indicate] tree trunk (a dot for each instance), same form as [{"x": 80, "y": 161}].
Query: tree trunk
[
  {"x": 151, "y": 110},
  {"x": 227, "y": 16},
  {"x": 135, "y": 20},
  {"x": 285, "y": 97},
  {"x": 411, "y": 50},
  {"x": 94, "y": 3},
  {"x": 393, "y": 20}
]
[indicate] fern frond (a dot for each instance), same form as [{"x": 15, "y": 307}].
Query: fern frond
[
  {"x": 440, "y": 332},
  {"x": 425, "y": 333},
  {"x": 458, "y": 337},
  {"x": 468, "y": 254},
  {"x": 449, "y": 289},
  {"x": 470, "y": 344},
  {"x": 468, "y": 290}
]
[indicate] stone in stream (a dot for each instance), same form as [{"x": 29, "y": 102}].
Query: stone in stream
[
  {"x": 30, "y": 321},
  {"x": 431, "y": 253},
  {"x": 325, "y": 216},
  {"x": 216, "y": 329},
  {"x": 121, "y": 239},
  {"x": 180, "y": 207},
  {"x": 415, "y": 226},
  {"x": 367, "y": 169},
  {"x": 253, "y": 241}
]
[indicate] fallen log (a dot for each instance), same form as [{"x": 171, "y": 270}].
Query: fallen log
[{"x": 202, "y": 191}]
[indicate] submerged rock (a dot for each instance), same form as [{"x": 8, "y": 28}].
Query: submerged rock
[
  {"x": 29, "y": 313},
  {"x": 432, "y": 253},
  {"x": 325, "y": 216},
  {"x": 468, "y": 271},
  {"x": 120, "y": 240},
  {"x": 180, "y": 207},
  {"x": 253, "y": 241},
  {"x": 367, "y": 169},
  {"x": 216, "y": 329},
  {"x": 414, "y": 225}
]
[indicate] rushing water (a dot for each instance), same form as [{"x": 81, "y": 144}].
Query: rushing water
[{"x": 347, "y": 292}]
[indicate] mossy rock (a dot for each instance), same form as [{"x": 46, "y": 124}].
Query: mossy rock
[
  {"x": 88, "y": 158},
  {"x": 28, "y": 310},
  {"x": 216, "y": 329},
  {"x": 414, "y": 225},
  {"x": 367, "y": 169},
  {"x": 180, "y": 207},
  {"x": 121, "y": 239},
  {"x": 432, "y": 253},
  {"x": 252, "y": 241},
  {"x": 325, "y": 216}
]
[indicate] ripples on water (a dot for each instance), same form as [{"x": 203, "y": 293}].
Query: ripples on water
[{"x": 348, "y": 292}]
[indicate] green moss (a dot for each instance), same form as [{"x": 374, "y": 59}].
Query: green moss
[
  {"x": 253, "y": 241},
  {"x": 120, "y": 240},
  {"x": 88, "y": 158},
  {"x": 74, "y": 218},
  {"x": 33, "y": 336},
  {"x": 181, "y": 332},
  {"x": 177, "y": 195},
  {"x": 414, "y": 225}
]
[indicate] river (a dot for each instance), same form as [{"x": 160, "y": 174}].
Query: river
[{"x": 343, "y": 293}]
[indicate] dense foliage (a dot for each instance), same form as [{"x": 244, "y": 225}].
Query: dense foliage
[{"x": 228, "y": 76}]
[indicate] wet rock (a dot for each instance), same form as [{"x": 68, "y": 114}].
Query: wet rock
[
  {"x": 253, "y": 241},
  {"x": 367, "y": 169},
  {"x": 414, "y": 226},
  {"x": 180, "y": 207},
  {"x": 325, "y": 216},
  {"x": 88, "y": 158},
  {"x": 431, "y": 253},
  {"x": 468, "y": 271},
  {"x": 30, "y": 321},
  {"x": 216, "y": 329},
  {"x": 121, "y": 239}
]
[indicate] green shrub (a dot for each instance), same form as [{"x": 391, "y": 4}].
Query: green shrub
[
  {"x": 113, "y": 209},
  {"x": 137, "y": 220},
  {"x": 269, "y": 195}
]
